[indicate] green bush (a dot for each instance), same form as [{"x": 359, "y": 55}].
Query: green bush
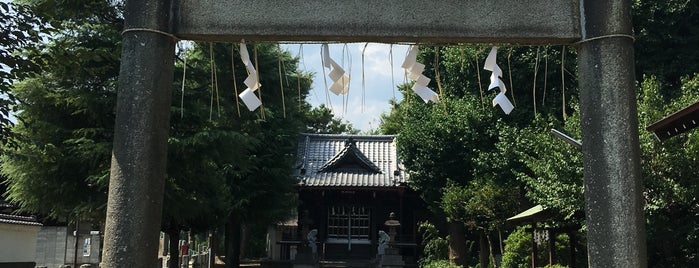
[
  {"x": 440, "y": 264},
  {"x": 435, "y": 248},
  {"x": 517, "y": 249}
]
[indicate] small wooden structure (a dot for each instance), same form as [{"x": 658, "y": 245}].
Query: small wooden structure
[
  {"x": 538, "y": 214},
  {"x": 676, "y": 123}
]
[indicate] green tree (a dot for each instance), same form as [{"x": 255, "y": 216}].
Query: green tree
[
  {"x": 457, "y": 151},
  {"x": 60, "y": 167},
  {"x": 665, "y": 32},
  {"x": 320, "y": 120},
  {"x": 260, "y": 184},
  {"x": 551, "y": 170},
  {"x": 446, "y": 146},
  {"x": 220, "y": 164},
  {"x": 671, "y": 208},
  {"x": 435, "y": 248},
  {"x": 20, "y": 30}
]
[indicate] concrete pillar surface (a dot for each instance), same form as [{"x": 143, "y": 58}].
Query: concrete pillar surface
[
  {"x": 140, "y": 140},
  {"x": 611, "y": 151}
]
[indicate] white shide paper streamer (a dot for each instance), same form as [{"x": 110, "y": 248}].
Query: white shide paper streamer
[
  {"x": 414, "y": 70},
  {"x": 248, "y": 95},
  {"x": 495, "y": 81},
  {"x": 337, "y": 74}
]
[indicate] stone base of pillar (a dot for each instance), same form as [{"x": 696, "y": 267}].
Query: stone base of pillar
[
  {"x": 392, "y": 259},
  {"x": 305, "y": 260}
]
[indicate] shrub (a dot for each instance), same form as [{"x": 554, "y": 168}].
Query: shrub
[
  {"x": 440, "y": 264},
  {"x": 435, "y": 248}
]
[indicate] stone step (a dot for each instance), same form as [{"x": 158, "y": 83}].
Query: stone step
[{"x": 346, "y": 264}]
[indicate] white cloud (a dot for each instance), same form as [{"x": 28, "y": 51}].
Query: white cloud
[
  {"x": 377, "y": 60},
  {"x": 363, "y": 117}
]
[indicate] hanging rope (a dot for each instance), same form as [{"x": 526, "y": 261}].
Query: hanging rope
[
  {"x": 633, "y": 39},
  {"x": 345, "y": 98},
  {"x": 172, "y": 36},
  {"x": 509, "y": 70},
  {"x": 390, "y": 62},
  {"x": 462, "y": 56},
  {"x": 563, "y": 83},
  {"x": 480, "y": 85},
  {"x": 546, "y": 75},
  {"x": 405, "y": 81},
  {"x": 211, "y": 67},
  {"x": 363, "y": 78},
  {"x": 235, "y": 82},
  {"x": 298, "y": 75},
  {"x": 281, "y": 86},
  {"x": 218, "y": 97},
  {"x": 536, "y": 70},
  {"x": 259, "y": 90},
  {"x": 281, "y": 55},
  {"x": 184, "y": 78},
  {"x": 286, "y": 76},
  {"x": 436, "y": 77}
]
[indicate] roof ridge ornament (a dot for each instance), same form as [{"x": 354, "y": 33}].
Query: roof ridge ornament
[{"x": 350, "y": 155}]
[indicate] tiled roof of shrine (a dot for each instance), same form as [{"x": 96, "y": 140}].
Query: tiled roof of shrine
[{"x": 349, "y": 161}]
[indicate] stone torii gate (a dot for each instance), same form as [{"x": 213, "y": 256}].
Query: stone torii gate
[{"x": 600, "y": 30}]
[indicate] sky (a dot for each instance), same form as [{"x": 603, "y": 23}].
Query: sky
[{"x": 379, "y": 86}]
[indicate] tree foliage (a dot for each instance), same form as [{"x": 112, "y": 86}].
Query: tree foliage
[
  {"x": 67, "y": 115},
  {"x": 517, "y": 152},
  {"x": 551, "y": 169},
  {"x": 671, "y": 205},
  {"x": 60, "y": 165},
  {"x": 320, "y": 120},
  {"x": 249, "y": 154},
  {"x": 435, "y": 248},
  {"x": 480, "y": 204},
  {"x": 20, "y": 30},
  {"x": 459, "y": 152},
  {"x": 665, "y": 32}
]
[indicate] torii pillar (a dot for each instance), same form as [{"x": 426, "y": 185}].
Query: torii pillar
[
  {"x": 139, "y": 157},
  {"x": 616, "y": 235},
  {"x": 616, "y": 229}
]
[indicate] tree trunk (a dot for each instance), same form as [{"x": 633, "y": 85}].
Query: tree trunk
[
  {"x": 244, "y": 237},
  {"x": 484, "y": 251},
  {"x": 233, "y": 242},
  {"x": 174, "y": 245},
  {"x": 502, "y": 248},
  {"x": 457, "y": 243},
  {"x": 490, "y": 248}
]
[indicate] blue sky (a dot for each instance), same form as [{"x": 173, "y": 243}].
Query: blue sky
[{"x": 379, "y": 88}]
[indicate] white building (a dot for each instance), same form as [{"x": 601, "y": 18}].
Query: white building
[{"x": 18, "y": 240}]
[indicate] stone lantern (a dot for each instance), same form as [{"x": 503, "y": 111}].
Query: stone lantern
[
  {"x": 392, "y": 257},
  {"x": 392, "y": 225}
]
